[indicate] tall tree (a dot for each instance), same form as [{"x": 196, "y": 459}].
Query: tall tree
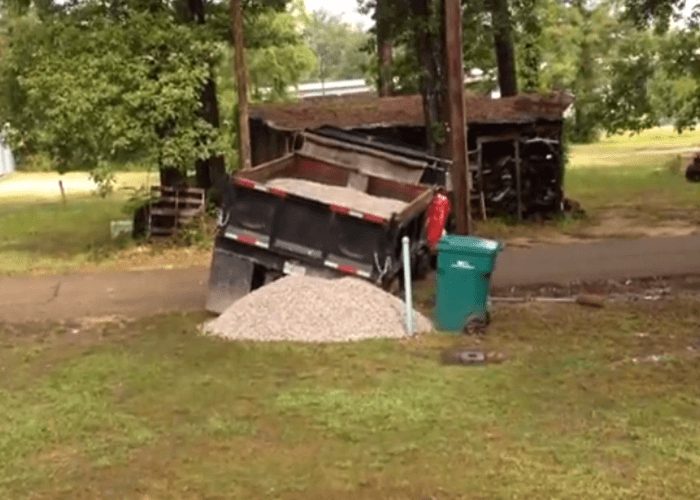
[
  {"x": 656, "y": 70},
  {"x": 385, "y": 48},
  {"x": 528, "y": 21},
  {"x": 210, "y": 170},
  {"x": 504, "y": 47},
  {"x": 428, "y": 24},
  {"x": 89, "y": 83}
]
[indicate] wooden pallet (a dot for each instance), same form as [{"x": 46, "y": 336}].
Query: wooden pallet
[{"x": 171, "y": 209}]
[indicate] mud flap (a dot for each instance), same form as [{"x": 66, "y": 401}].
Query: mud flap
[{"x": 230, "y": 278}]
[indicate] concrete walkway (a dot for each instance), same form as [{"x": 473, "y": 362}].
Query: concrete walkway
[
  {"x": 132, "y": 294},
  {"x": 143, "y": 293},
  {"x": 610, "y": 259}
]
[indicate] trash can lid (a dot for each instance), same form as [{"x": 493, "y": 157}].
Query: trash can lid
[{"x": 469, "y": 244}]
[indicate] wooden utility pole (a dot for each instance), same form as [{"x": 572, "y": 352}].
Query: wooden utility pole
[
  {"x": 241, "y": 76},
  {"x": 457, "y": 133}
]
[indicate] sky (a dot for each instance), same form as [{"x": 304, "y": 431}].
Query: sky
[{"x": 347, "y": 9}]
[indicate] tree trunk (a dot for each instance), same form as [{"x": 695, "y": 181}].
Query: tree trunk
[
  {"x": 430, "y": 49},
  {"x": 212, "y": 170},
  {"x": 241, "y": 76},
  {"x": 503, "y": 44},
  {"x": 531, "y": 46},
  {"x": 585, "y": 122},
  {"x": 385, "y": 49},
  {"x": 172, "y": 177}
]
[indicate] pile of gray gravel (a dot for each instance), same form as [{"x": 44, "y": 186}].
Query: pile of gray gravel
[
  {"x": 340, "y": 195},
  {"x": 309, "y": 309}
]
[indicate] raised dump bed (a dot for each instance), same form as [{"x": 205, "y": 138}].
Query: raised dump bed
[{"x": 306, "y": 215}]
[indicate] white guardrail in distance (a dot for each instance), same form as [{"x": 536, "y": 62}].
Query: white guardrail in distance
[{"x": 344, "y": 87}]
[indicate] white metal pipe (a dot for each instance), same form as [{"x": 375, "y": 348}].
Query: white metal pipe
[{"x": 408, "y": 285}]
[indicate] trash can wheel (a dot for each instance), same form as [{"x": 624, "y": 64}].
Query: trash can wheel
[{"x": 477, "y": 323}]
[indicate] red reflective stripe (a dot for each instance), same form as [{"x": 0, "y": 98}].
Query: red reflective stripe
[
  {"x": 246, "y": 239},
  {"x": 347, "y": 269},
  {"x": 244, "y": 182},
  {"x": 374, "y": 218},
  {"x": 339, "y": 209},
  {"x": 277, "y": 192}
]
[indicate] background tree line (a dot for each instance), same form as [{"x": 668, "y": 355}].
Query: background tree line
[
  {"x": 93, "y": 83},
  {"x": 631, "y": 64}
]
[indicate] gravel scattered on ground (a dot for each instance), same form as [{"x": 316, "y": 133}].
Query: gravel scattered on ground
[
  {"x": 310, "y": 309},
  {"x": 340, "y": 195}
]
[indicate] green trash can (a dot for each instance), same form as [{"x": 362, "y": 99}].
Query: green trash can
[{"x": 465, "y": 265}]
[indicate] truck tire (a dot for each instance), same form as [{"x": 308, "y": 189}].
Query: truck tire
[{"x": 422, "y": 266}]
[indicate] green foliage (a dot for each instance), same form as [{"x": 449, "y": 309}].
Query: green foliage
[
  {"x": 88, "y": 84},
  {"x": 280, "y": 58},
  {"x": 656, "y": 78},
  {"x": 529, "y": 14},
  {"x": 339, "y": 47},
  {"x": 105, "y": 178},
  {"x": 88, "y": 89},
  {"x": 657, "y": 13}
]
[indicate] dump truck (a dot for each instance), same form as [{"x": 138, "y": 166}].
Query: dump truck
[{"x": 305, "y": 214}]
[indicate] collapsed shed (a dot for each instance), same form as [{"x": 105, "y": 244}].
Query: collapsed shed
[{"x": 515, "y": 143}]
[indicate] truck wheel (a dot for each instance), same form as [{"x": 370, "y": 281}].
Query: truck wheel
[
  {"x": 422, "y": 266},
  {"x": 394, "y": 286}
]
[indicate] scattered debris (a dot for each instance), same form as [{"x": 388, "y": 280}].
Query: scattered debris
[
  {"x": 471, "y": 357},
  {"x": 310, "y": 309},
  {"x": 477, "y": 325},
  {"x": 653, "y": 358},
  {"x": 644, "y": 289},
  {"x": 119, "y": 228},
  {"x": 586, "y": 300}
]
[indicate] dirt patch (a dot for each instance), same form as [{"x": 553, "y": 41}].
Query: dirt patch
[
  {"x": 131, "y": 294},
  {"x": 622, "y": 225},
  {"x": 646, "y": 289}
]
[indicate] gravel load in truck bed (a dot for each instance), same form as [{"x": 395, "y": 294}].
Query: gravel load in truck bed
[
  {"x": 310, "y": 309},
  {"x": 340, "y": 195}
]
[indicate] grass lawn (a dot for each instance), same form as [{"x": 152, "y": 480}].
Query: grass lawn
[
  {"x": 152, "y": 410},
  {"x": 40, "y": 234},
  {"x": 648, "y": 147},
  {"x": 47, "y": 235},
  {"x": 632, "y": 180}
]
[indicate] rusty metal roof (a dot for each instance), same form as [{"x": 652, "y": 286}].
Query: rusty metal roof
[{"x": 369, "y": 111}]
